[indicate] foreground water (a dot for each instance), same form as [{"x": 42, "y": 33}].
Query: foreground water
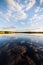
[{"x": 21, "y": 49}]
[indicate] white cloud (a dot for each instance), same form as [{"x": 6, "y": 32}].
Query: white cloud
[
  {"x": 23, "y": 23},
  {"x": 37, "y": 9},
  {"x": 36, "y": 22},
  {"x": 30, "y": 4},
  {"x": 41, "y": 10},
  {"x": 37, "y": 17},
  {"x": 15, "y": 7},
  {"x": 41, "y": 1},
  {"x": 1, "y": 13},
  {"x": 12, "y": 8}
]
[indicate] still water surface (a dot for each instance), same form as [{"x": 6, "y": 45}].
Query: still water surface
[
  {"x": 38, "y": 38},
  {"x": 32, "y": 42}
]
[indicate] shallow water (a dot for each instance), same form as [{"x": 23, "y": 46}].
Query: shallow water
[{"x": 16, "y": 45}]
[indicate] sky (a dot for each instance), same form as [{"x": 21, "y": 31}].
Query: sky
[{"x": 21, "y": 15}]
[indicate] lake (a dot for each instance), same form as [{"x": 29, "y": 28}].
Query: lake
[{"x": 21, "y": 49}]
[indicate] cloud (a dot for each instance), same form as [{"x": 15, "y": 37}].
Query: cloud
[
  {"x": 37, "y": 9},
  {"x": 30, "y": 4},
  {"x": 15, "y": 7},
  {"x": 36, "y": 22},
  {"x": 23, "y": 23},
  {"x": 37, "y": 17},
  {"x": 17, "y": 10},
  {"x": 41, "y": 1},
  {"x": 14, "y": 12},
  {"x": 0, "y": 13},
  {"x": 9, "y": 28}
]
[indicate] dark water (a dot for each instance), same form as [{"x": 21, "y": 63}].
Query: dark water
[{"x": 21, "y": 49}]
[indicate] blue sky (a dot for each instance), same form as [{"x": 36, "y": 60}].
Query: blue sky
[{"x": 22, "y": 15}]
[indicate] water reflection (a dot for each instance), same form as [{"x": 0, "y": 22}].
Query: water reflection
[{"x": 21, "y": 49}]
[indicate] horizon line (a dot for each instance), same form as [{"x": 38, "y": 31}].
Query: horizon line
[{"x": 11, "y": 32}]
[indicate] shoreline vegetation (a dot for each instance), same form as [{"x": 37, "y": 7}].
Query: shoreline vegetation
[{"x": 11, "y": 32}]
